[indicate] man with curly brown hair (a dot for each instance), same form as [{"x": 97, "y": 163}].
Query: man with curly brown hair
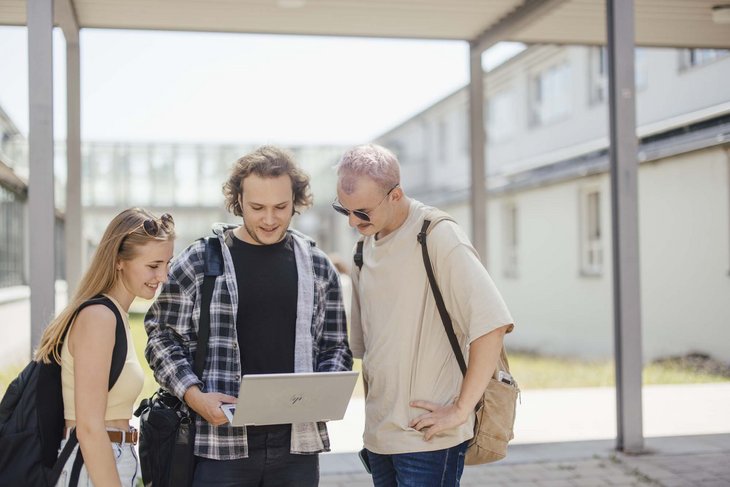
[{"x": 277, "y": 308}]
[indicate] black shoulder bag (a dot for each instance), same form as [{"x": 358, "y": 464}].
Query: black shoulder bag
[{"x": 167, "y": 429}]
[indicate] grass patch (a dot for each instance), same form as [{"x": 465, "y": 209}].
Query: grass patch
[
  {"x": 139, "y": 337},
  {"x": 8, "y": 374},
  {"x": 541, "y": 372},
  {"x": 531, "y": 371}
]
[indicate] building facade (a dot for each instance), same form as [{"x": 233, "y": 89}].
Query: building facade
[{"x": 549, "y": 215}]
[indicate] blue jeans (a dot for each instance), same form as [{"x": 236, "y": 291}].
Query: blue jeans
[
  {"x": 269, "y": 463},
  {"x": 440, "y": 468}
]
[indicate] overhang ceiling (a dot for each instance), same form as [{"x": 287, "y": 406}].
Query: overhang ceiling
[{"x": 675, "y": 23}]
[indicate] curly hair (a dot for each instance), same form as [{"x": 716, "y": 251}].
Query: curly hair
[{"x": 267, "y": 162}]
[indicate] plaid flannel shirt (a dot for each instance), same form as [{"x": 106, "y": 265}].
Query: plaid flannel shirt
[{"x": 172, "y": 325}]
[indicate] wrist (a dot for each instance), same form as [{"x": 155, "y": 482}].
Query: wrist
[
  {"x": 462, "y": 408},
  {"x": 191, "y": 396}
]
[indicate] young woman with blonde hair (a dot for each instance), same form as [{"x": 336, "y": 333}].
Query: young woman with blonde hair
[{"x": 132, "y": 260}]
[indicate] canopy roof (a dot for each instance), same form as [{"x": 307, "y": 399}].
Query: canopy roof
[{"x": 675, "y": 23}]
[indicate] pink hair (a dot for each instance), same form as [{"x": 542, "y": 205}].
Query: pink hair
[{"x": 371, "y": 160}]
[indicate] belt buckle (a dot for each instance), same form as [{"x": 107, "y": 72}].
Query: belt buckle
[{"x": 135, "y": 436}]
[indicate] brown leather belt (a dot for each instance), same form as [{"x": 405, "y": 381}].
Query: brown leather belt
[{"x": 121, "y": 437}]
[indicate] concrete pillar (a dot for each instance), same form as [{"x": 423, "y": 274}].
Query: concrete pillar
[
  {"x": 40, "y": 181},
  {"x": 625, "y": 223},
  {"x": 478, "y": 154}
]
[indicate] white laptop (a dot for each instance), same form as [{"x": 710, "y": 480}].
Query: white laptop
[{"x": 291, "y": 398}]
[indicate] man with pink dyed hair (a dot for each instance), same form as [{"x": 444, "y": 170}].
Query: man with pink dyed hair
[{"x": 419, "y": 409}]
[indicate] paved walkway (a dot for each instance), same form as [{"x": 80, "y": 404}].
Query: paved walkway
[{"x": 669, "y": 462}]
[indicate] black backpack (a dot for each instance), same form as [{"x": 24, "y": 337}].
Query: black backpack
[{"x": 31, "y": 417}]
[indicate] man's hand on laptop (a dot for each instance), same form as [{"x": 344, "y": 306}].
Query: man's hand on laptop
[{"x": 208, "y": 404}]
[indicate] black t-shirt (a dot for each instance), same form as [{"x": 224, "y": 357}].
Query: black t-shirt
[{"x": 267, "y": 306}]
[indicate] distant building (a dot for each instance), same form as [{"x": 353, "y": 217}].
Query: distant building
[
  {"x": 549, "y": 224},
  {"x": 185, "y": 180},
  {"x": 13, "y": 216}
]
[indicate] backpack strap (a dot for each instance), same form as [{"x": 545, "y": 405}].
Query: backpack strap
[
  {"x": 212, "y": 269},
  {"x": 119, "y": 354},
  {"x": 358, "y": 254},
  {"x": 119, "y": 357}
]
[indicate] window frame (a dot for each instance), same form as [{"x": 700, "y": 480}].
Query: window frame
[
  {"x": 591, "y": 231},
  {"x": 510, "y": 240}
]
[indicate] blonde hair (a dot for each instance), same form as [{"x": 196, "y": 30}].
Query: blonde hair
[{"x": 121, "y": 239}]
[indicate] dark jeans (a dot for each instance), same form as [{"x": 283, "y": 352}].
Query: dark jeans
[
  {"x": 440, "y": 468},
  {"x": 269, "y": 464}
]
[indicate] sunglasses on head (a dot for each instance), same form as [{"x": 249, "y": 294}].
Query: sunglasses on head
[
  {"x": 359, "y": 213},
  {"x": 152, "y": 226}
]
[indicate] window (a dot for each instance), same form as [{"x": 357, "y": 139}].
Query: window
[
  {"x": 212, "y": 173},
  {"x": 501, "y": 116},
  {"x": 509, "y": 240},
  {"x": 162, "y": 165},
  {"x": 140, "y": 191},
  {"x": 550, "y": 94},
  {"x": 598, "y": 75},
  {"x": 186, "y": 177},
  {"x": 591, "y": 233},
  {"x": 641, "y": 69},
  {"x": 689, "y": 58},
  {"x": 443, "y": 140},
  {"x": 12, "y": 232},
  {"x": 102, "y": 182},
  {"x": 464, "y": 134}
]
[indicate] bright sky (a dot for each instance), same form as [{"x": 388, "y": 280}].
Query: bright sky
[{"x": 195, "y": 87}]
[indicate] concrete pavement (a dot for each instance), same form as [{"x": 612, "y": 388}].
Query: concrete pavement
[
  {"x": 669, "y": 462},
  {"x": 565, "y": 438}
]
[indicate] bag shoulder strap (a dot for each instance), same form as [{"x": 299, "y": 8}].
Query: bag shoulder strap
[
  {"x": 213, "y": 269},
  {"x": 434, "y": 215},
  {"x": 445, "y": 318}
]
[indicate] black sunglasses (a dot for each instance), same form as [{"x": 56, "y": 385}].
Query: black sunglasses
[
  {"x": 152, "y": 226},
  {"x": 358, "y": 213}
]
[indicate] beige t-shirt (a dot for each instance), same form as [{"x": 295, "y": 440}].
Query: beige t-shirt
[{"x": 397, "y": 331}]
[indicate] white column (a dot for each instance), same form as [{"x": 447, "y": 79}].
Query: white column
[
  {"x": 478, "y": 155},
  {"x": 40, "y": 180},
  {"x": 625, "y": 223},
  {"x": 74, "y": 224}
]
